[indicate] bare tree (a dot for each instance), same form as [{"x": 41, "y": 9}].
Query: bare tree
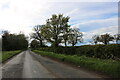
[
  {"x": 37, "y": 34},
  {"x": 106, "y": 38},
  {"x": 75, "y": 36}
]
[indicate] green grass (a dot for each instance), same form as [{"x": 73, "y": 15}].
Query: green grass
[
  {"x": 5, "y": 55},
  {"x": 109, "y": 67}
]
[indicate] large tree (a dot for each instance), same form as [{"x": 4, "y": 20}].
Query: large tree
[
  {"x": 75, "y": 36},
  {"x": 37, "y": 34},
  {"x": 54, "y": 27}
]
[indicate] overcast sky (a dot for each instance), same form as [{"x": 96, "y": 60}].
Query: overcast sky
[{"x": 93, "y": 17}]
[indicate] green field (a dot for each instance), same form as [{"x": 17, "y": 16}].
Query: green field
[
  {"x": 5, "y": 55},
  {"x": 108, "y": 67}
]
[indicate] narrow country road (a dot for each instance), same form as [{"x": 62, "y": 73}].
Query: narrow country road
[{"x": 30, "y": 65}]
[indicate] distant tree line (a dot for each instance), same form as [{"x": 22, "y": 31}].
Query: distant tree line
[
  {"x": 13, "y": 41},
  {"x": 105, "y": 38},
  {"x": 56, "y": 31}
]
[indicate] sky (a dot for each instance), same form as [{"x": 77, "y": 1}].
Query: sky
[{"x": 93, "y": 17}]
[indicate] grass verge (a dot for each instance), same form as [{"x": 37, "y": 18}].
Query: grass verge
[
  {"x": 109, "y": 67},
  {"x": 8, "y": 54}
]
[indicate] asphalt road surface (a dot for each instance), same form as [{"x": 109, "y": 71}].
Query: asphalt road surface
[{"x": 30, "y": 65}]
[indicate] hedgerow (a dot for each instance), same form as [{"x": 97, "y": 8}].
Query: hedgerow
[{"x": 111, "y": 51}]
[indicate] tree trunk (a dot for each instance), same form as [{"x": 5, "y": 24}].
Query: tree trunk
[
  {"x": 116, "y": 41},
  {"x": 65, "y": 43},
  {"x": 56, "y": 43},
  {"x": 95, "y": 43},
  {"x": 105, "y": 42},
  {"x": 41, "y": 43},
  {"x": 73, "y": 44}
]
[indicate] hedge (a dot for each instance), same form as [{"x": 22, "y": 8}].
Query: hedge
[{"x": 111, "y": 51}]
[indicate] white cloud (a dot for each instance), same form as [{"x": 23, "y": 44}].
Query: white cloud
[
  {"x": 20, "y": 15},
  {"x": 101, "y": 21},
  {"x": 111, "y": 30},
  {"x": 98, "y": 23},
  {"x": 87, "y": 11},
  {"x": 82, "y": 0}
]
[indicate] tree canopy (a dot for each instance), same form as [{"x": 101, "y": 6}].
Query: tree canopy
[
  {"x": 37, "y": 35},
  {"x": 54, "y": 27},
  {"x": 34, "y": 44}
]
